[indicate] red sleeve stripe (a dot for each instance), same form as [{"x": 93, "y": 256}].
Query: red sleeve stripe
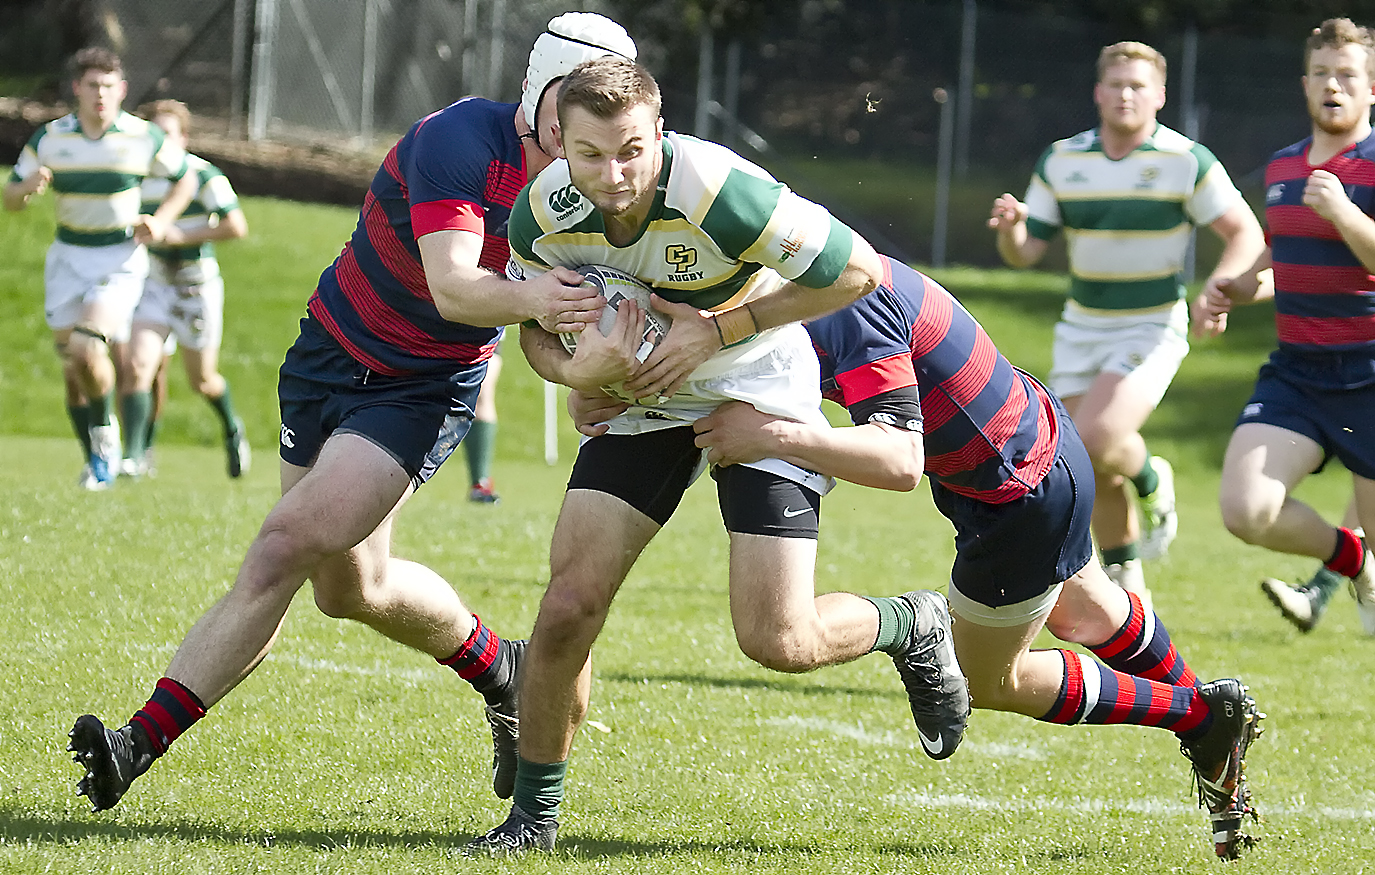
[
  {"x": 1325, "y": 332},
  {"x": 875, "y": 378},
  {"x": 446, "y": 215},
  {"x": 1312, "y": 279},
  {"x": 1299, "y": 221},
  {"x": 397, "y": 260}
]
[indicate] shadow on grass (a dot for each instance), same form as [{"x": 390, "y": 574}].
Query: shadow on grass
[
  {"x": 63, "y": 832},
  {"x": 782, "y": 683}
]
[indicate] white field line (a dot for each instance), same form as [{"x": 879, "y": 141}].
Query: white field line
[
  {"x": 1152, "y": 807},
  {"x": 1363, "y": 811},
  {"x": 857, "y": 732}
]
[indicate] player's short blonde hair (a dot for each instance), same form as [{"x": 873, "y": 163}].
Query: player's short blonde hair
[
  {"x": 607, "y": 86},
  {"x": 1337, "y": 32},
  {"x": 175, "y": 108},
  {"x": 1129, "y": 50}
]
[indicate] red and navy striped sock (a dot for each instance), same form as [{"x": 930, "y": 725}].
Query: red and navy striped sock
[
  {"x": 172, "y": 710},
  {"x": 485, "y": 660},
  {"x": 1093, "y": 693},
  {"x": 1349, "y": 555},
  {"x": 1142, "y": 647}
]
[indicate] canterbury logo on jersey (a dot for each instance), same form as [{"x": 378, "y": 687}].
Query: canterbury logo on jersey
[{"x": 564, "y": 201}]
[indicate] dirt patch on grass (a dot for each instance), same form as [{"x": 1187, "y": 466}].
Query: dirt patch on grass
[{"x": 316, "y": 172}]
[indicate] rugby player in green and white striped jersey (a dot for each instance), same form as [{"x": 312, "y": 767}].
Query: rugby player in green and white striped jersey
[
  {"x": 1128, "y": 195},
  {"x": 737, "y": 260},
  {"x": 183, "y": 297},
  {"x": 95, "y": 159}
]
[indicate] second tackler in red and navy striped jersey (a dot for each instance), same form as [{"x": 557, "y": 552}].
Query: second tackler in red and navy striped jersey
[
  {"x": 457, "y": 169},
  {"x": 1324, "y": 296},
  {"x": 990, "y": 431}
]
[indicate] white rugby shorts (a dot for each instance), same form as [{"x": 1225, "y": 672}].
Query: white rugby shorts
[
  {"x": 1147, "y": 349},
  {"x": 77, "y": 278},
  {"x": 780, "y": 377},
  {"x": 194, "y": 313}
]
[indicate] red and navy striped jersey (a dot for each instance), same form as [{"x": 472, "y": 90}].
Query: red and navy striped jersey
[
  {"x": 1324, "y": 296},
  {"x": 457, "y": 169},
  {"x": 990, "y": 430}
]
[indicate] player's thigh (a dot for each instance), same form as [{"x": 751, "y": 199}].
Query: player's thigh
[
  {"x": 1090, "y": 609},
  {"x": 989, "y": 655},
  {"x": 1263, "y": 463},
  {"x": 1113, "y": 407},
  {"x": 336, "y": 504},
  {"x": 597, "y": 539},
  {"x": 772, "y": 587}
]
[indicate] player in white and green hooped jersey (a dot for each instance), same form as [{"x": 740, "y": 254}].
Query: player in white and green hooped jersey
[
  {"x": 738, "y": 262},
  {"x": 1127, "y": 195},
  {"x": 94, "y": 159},
  {"x": 183, "y": 298},
  {"x": 719, "y": 233}
]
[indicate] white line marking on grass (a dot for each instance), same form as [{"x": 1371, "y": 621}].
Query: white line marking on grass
[
  {"x": 857, "y": 732},
  {"x": 1151, "y": 807},
  {"x": 413, "y": 676}
]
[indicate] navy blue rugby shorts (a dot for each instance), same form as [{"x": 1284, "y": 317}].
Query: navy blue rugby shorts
[
  {"x": 1016, "y": 552},
  {"x": 1341, "y": 421},
  {"x": 418, "y": 420}
]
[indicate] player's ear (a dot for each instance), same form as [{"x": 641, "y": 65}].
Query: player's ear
[{"x": 659, "y": 129}]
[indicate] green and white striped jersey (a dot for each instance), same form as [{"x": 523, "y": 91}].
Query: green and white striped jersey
[
  {"x": 214, "y": 199},
  {"x": 717, "y": 223},
  {"x": 1127, "y": 222},
  {"x": 96, "y": 182}
]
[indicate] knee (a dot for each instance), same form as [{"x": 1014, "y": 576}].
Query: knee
[
  {"x": 570, "y": 615},
  {"x": 279, "y": 553},
  {"x": 779, "y": 650},
  {"x": 1246, "y": 517}
]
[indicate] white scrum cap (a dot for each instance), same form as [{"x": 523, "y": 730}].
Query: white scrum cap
[{"x": 570, "y": 39}]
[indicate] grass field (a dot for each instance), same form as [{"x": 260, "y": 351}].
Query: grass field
[{"x": 347, "y": 753}]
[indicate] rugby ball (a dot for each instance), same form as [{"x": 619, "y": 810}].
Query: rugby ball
[{"x": 617, "y": 286}]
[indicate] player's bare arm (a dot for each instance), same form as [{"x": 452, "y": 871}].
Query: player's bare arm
[
  {"x": 1243, "y": 245},
  {"x": 600, "y": 360},
  {"x": 873, "y": 454},
  {"x": 1326, "y": 196},
  {"x": 18, "y": 192},
  {"x": 1208, "y": 311},
  {"x": 233, "y": 226},
  {"x": 1016, "y": 247},
  {"x": 154, "y": 228},
  {"x": 464, "y": 292},
  {"x": 697, "y": 335}
]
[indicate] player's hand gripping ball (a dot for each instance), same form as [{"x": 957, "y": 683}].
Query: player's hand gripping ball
[{"x": 616, "y": 286}]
